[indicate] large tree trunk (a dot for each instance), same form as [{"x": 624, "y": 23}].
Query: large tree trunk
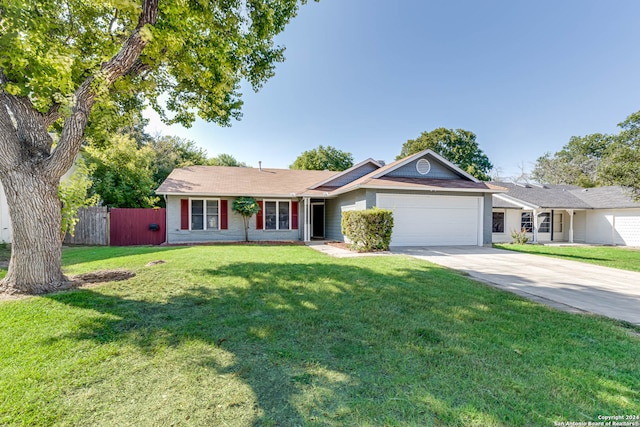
[
  {"x": 30, "y": 169},
  {"x": 36, "y": 250}
]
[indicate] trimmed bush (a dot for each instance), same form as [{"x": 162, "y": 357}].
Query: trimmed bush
[{"x": 368, "y": 230}]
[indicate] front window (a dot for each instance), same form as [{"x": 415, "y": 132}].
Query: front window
[
  {"x": 204, "y": 214},
  {"x": 277, "y": 215},
  {"x": 525, "y": 222},
  {"x": 545, "y": 222},
  {"x": 498, "y": 222}
]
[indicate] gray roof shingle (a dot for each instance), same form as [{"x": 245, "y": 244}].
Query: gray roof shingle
[{"x": 565, "y": 196}]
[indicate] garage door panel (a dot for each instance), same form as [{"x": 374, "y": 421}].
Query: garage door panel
[
  {"x": 432, "y": 220},
  {"x": 627, "y": 230}
]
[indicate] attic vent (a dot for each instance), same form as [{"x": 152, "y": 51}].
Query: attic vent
[{"x": 423, "y": 166}]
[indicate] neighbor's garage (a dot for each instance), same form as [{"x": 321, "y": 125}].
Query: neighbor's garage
[
  {"x": 627, "y": 227},
  {"x": 426, "y": 220}
]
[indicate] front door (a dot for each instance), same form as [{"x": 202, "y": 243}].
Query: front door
[{"x": 317, "y": 221}]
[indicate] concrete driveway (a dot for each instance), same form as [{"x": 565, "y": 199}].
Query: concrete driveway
[{"x": 567, "y": 285}]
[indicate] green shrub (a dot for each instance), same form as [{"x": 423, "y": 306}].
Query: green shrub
[
  {"x": 368, "y": 230},
  {"x": 519, "y": 237}
]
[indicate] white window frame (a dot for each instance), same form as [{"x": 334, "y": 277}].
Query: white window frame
[
  {"x": 264, "y": 215},
  {"x": 531, "y": 221},
  {"x": 204, "y": 212},
  {"x": 542, "y": 215}
]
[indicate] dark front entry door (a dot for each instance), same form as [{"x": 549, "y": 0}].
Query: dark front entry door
[{"x": 317, "y": 218}]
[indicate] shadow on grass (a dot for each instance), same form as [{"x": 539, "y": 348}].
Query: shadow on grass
[{"x": 339, "y": 344}]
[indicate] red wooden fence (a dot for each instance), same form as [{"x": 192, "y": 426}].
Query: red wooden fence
[{"x": 135, "y": 226}]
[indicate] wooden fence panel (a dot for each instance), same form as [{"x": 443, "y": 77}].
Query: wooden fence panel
[
  {"x": 92, "y": 227},
  {"x": 137, "y": 226}
]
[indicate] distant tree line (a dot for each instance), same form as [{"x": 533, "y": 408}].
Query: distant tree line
[{"x": 595, "y": 160}]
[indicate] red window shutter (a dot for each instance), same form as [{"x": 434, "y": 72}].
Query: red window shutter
[
  {"x": 259, "y": 216},
  {"x": 224, "y": 222},
  {"x": 184, "y": 214},
  {"x": 294, "y": 215}
]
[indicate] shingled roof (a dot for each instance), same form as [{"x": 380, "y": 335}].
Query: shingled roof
[
  {"x": 234, "y": 181},
  {"x": 562, "y": 196}
]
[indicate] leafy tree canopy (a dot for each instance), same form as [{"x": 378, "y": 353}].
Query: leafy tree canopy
[
  {"x": 458, "y": 146},
  {"x": 620, "y": 164},
  {"x": 577, "y": 163},
  {"x": 596, "y": 159},
  {"x": 123, "y": 173},
  {"x": 322, "y": 158},
  {"x": 225, "y": 160},
  {"x": 170, "y": 152},
  {"x": 86, "y": 68}
]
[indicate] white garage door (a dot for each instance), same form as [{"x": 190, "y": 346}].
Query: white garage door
[
  {"x": 627, "y": 230},
  {"x": 433, "y": 220}
]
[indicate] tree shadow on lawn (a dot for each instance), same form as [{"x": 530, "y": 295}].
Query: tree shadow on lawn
[{"x": 335, "y": 344}]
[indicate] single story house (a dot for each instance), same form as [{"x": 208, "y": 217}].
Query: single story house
[
  {"x": 566, "y": 213},
  {"x": 433, "y": 201}
]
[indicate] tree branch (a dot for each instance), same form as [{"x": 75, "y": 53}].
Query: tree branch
[
  {"x": 52, "y": 115},
  {"x": 64, "y": 154}
]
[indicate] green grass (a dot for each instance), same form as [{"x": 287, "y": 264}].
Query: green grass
[
  {"x": 608, "y": 256},
  {"x": 286, "y": 336}
]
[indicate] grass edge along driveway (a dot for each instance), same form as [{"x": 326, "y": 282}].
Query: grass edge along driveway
[
  {"x": 622, "y": 258},
  {"x": 283, "y": 335}
]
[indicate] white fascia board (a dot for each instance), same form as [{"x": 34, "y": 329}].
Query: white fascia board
[
  {"x": 432, "y": 189},
  {"x": 517, "y": 202}
]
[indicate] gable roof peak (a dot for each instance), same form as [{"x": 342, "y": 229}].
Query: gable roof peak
[{"x": 401, "y": 162}]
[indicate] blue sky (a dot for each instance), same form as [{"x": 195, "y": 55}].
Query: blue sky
[{"x": 365, "y": 76}]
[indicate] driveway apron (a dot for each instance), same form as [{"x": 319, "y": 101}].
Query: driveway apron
[{"x": 567, "y": 285}]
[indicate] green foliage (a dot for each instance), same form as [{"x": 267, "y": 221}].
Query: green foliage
[
  {"x": 247, "y": 207},
  {"x": 197, "y": 55},
  {"x": 322, "y": 158},
  {"x": 458, "y": 146},
  {"x": 577, "y": 163},
  {"x": 606, "y": 256},
  {"x": 519, "y": 236},
  {"x": 623, "y": 157},
  {"x": 123, "y": 175},
  {"x": 225, "y": 160},
  {"x": 170, "y": 152},
  {"x": 73, "y": 195},
  {"x": 368, "y": 230}
]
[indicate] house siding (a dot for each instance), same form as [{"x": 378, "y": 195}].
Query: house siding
[
  {"x": 437, "y": 171},
  {"x": 235, "y": 231},
  {"x": 355, "y": 200},
  {"x": 579, "y": 226},
  {"x": 351, "y": 176},
  {"x": 5, "y": 221},
  {"x": 613, "y": 227}
]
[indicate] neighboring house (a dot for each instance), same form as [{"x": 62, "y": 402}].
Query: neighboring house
[
  {"x": 433, "y": 201},
  {"x": 566, "y": 213},
  {"x": 5, "y": 221}
]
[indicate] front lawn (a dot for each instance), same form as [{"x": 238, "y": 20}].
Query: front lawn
[
  {"x": 286, "y": 336},
  {"x": 607, "y": 256}
]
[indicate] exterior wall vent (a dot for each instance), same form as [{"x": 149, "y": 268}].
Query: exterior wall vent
[{"x": 423, "y": 166}]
